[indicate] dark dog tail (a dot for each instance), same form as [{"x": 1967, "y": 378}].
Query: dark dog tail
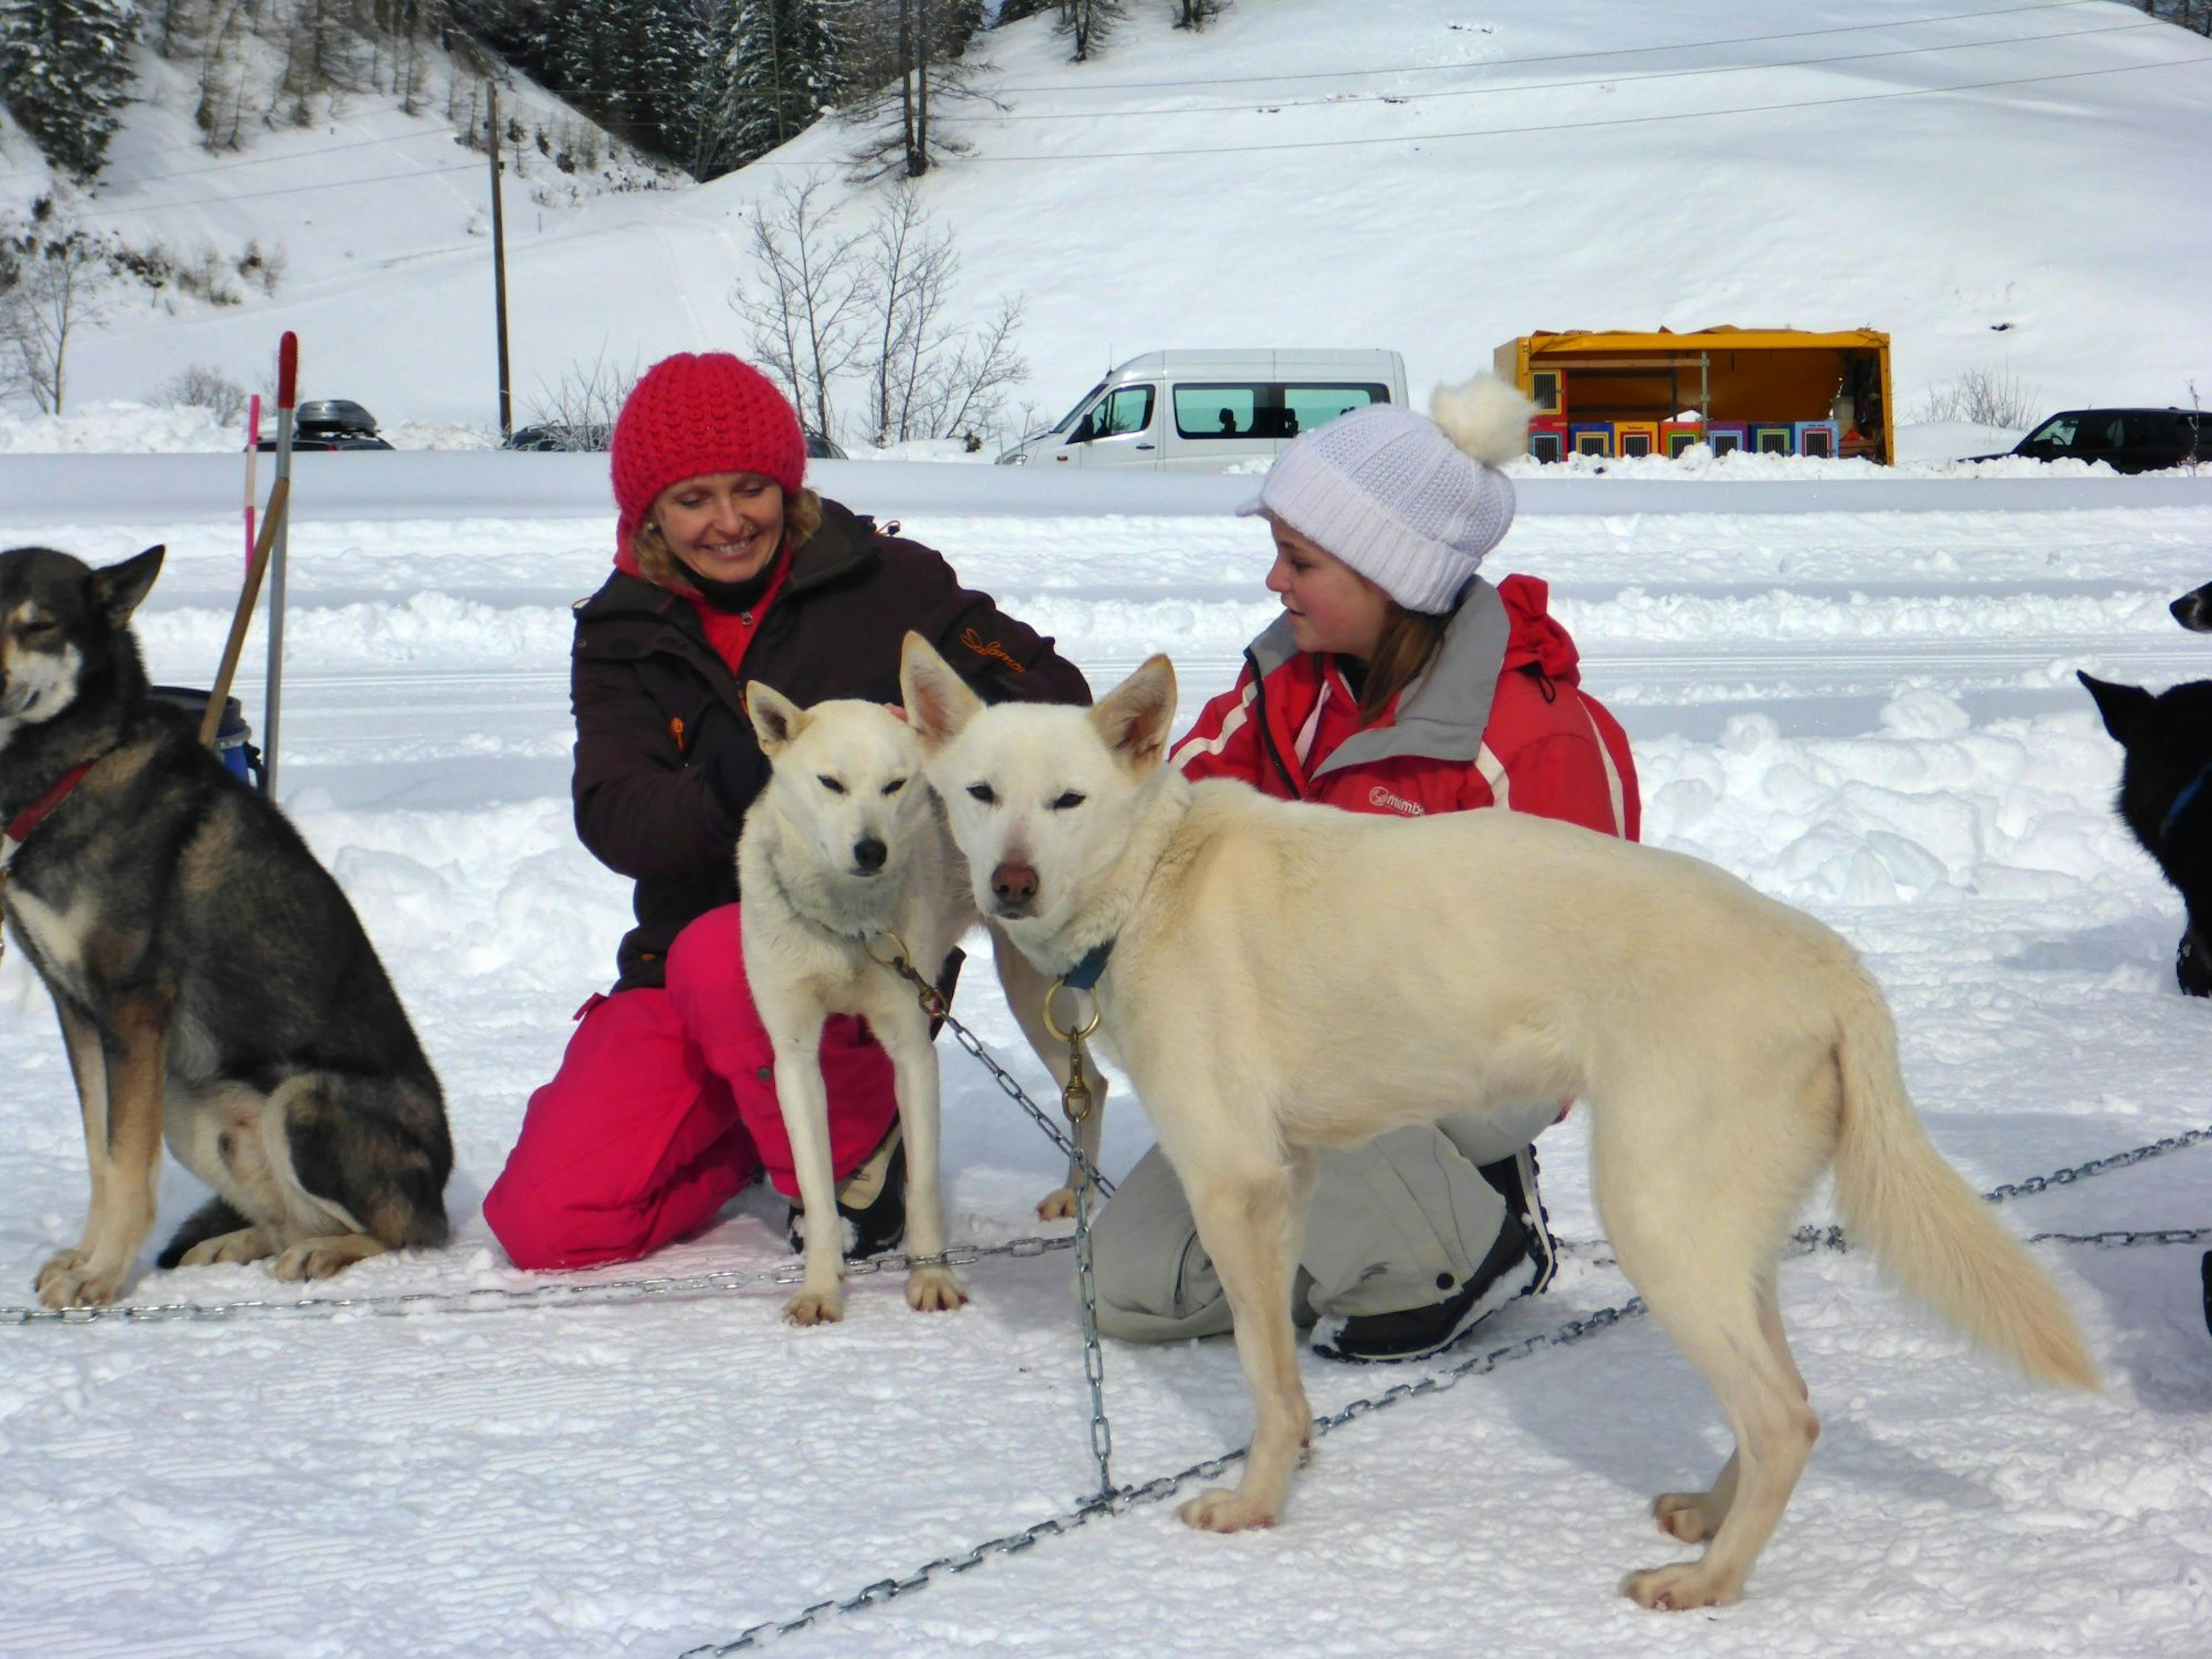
[
  {"x": 211, "y": 1221},
  {"x": 379, "y": 1148}
]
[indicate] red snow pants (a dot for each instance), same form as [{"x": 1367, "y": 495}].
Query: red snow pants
[{"x": 664, "y": 1107}]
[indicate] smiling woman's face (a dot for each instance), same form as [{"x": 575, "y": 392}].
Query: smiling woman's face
[
  {"x": 725, "y": 526},
  {"x": 1332, "y": 606}
]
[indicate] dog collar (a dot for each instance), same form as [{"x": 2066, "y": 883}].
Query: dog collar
[
  {"x": 2190, "y": 792},
  {"x": 20, "y": 827},
  {"x": 1083, "y": 976}
]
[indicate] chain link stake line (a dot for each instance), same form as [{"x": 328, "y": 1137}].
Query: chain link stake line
[
  {"x": 1110, "y": 1502},
  {"x": 590, "y": 1292}
]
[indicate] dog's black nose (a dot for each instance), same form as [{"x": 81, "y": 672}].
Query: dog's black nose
[{"x": 869, "y": 854}]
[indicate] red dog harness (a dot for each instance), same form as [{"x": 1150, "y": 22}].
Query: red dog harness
[{"x": 29, "y": 819}]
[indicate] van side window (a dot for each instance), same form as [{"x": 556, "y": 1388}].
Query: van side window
[
  {"x": 1266, "y": 408},
  {"x": 1125, "y": 409}
]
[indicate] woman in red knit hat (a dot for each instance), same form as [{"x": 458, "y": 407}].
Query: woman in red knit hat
[{"x": 727, "y": 568}]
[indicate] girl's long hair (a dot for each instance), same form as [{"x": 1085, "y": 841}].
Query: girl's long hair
[
  {"x": 802, "y": 517},
  {"x": 1408, "y": 641}
]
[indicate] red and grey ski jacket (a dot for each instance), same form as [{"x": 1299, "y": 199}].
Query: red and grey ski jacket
[{"x": 1498, "y": 718}]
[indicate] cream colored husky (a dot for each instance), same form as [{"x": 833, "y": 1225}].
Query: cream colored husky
[
  {"x": 1287, "y": 977},
  {"x": 844, "y": 853}
]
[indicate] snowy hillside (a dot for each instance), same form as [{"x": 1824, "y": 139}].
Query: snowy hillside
[{"x": 1400, "y": 172}]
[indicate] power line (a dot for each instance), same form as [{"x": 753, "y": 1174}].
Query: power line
[
  {"x": 1548, "y": 57},
  {"x": 287, "y": 189},
  {"x": 1351, "y": 98},
  {"x": 271, "y": 161},
  {"x": 1418, "y": 138}
]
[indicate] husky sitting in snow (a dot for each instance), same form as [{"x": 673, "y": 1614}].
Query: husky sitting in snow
[
  {"x": 1732, "y": 1050},
  {"x": 844, "y": 861},
  {"x": 213, "y": 983}
]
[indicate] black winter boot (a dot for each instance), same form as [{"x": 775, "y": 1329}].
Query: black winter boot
[
  {"x": 1519, "y": 1262},
  {"x": 870, "y": 1203}
]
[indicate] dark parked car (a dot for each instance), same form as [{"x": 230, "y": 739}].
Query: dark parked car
[
  {"x": 331, "y": 423},
  {"x": 2126, "y": 439},
  {"x": 595, "y": 435}
]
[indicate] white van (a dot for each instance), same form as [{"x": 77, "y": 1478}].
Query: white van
[{"x": 1206, "y": 412}]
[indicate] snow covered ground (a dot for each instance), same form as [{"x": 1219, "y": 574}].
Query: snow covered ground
[{"x": 1870, "y": 714}]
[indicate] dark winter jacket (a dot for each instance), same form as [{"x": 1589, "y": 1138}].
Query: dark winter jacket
[{"x": 667, "y": 761}]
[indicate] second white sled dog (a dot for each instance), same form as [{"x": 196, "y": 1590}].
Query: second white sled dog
[
  {"x": 1286, "y": 977},
  {"x": 845, "y": 851}
]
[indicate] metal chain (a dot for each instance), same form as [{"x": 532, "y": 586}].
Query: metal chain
[
  {"x": 1121, "y": 1499},
  {"x": 1094, "y": 1355},
  {"x": 938, "y": 1006},
  {"x": 564, "y": 1293},
  {"x": 2097, "y": 1166},
  {"x": 1111, "y": 1501}
]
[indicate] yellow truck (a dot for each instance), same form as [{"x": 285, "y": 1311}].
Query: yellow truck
[{"x": 1772, "y": 390}]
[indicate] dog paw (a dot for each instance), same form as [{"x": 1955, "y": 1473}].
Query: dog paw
[
  {"x": 68, "y": 1281},
  {"x": 1221, "y": 1511},
  {"x": 815, "y": 1308},
  {"x": 1685, "y": 1514},
  {"x": 319, "y": 1258},
  {"x": 1686, "y": 1585},
  {"x": 247, "y": 1244},
  {"x": 1057, "y": 1206},
  {"x": 934, "y": 1290}
]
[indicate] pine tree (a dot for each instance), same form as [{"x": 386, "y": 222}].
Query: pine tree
[
  {"x": 65, "y": 75},
  {"x": 771, "y": 70}
]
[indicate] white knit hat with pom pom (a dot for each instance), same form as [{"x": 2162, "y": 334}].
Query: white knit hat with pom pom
[{"x": 1411, "y": 504}]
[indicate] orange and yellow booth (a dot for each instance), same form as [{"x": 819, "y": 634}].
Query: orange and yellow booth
[{"x": 1724, "y": 377}]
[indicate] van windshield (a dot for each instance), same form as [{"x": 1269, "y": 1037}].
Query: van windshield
[{"x": 1081, "y": 403}]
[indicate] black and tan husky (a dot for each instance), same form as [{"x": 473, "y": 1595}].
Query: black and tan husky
[{"x": 213, "y": 983}]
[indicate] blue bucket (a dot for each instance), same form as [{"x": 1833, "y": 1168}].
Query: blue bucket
[{"x": 233, "y": 746}]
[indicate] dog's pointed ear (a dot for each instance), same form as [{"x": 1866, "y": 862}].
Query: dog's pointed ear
[
  {"x": 939, "y": 702},
  {"x": 1134, "y": 716},
  {"x": 776, "y": 719},
  {"x": 117, "y": 589},
  {"x": 2122, "y": 706}
]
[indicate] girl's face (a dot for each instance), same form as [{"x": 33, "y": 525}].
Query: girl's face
[
  {"x": 1332, "y": 606},
  {"x": 725, "y": 526}
]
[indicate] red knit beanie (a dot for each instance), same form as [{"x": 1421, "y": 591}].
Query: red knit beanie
[{"x": 696, "y": 413}]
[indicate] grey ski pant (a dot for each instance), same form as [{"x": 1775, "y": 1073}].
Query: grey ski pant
[{"x": 1399, "y": 1223}]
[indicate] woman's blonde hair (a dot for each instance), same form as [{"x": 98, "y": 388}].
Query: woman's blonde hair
[
  {"x": 1409, "y": 639},
  {"x": 658, "y": 563}
]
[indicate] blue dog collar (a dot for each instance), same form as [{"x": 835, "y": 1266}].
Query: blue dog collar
[
  {"x": 2190, "y": 792},
  {"x": 1083, "y": 976}
]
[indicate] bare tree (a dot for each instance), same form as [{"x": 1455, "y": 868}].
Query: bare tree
[
  {"x": 204, "y": 385},
  {"x": 578, "y": 410},
  {"x": 809, "y": 314},
  {"x": 1985, "y": 397},
  {"x": 1195, "y": 15},
  {"x": 60, "y": 277},
  {"x": 929, "y": 377}
]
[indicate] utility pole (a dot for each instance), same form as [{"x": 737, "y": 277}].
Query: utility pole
[{"x": 499, "y": 270}]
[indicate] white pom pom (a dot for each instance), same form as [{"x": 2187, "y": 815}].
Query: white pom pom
[{"x": 1485, "y": 418}]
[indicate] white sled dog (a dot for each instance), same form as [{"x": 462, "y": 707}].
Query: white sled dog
[
  {"x": 1287, "y": 977},
  {"x": 845, "y": 851}
]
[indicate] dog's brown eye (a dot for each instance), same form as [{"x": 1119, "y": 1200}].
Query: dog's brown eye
[
  {"x": 894, "y": 786},
  {"x": 830, "y": 784},
  {"x": 1071, "y": 798},
  {"x": 983, "y": 791}
]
